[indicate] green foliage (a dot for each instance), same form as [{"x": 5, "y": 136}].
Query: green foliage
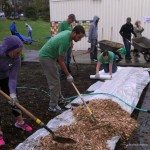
[
  {"x": 7, "y": 8},
  {"x": 45, "y": 14},
  {"x": 42, "y": 7},
  {"x": 31, "y": 12}
]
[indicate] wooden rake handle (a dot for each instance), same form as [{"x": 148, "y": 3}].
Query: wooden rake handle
[
  {"x": 38, "y": 121},
  {"x": 89, "y": 110}
]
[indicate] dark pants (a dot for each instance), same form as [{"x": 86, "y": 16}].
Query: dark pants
[
  {"x": 30, "y": 34},
  {"x": 68, "y": 57},
  {"x": 106, "y": 68},
  {"x": 4, "y": 87},
  {"x": 93, "y": 52},
  {"x": 127, "y": 44},
  {"x": 114, "y": 66},
  {"x": 117, "y": 54},
  {"x": 13, "y": 33}
]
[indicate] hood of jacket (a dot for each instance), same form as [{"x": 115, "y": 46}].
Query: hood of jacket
[
  {"x": 95, "y": 18},
  {"x": 10, "y": 43}
]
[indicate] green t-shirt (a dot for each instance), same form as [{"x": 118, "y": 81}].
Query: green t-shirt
[
  {"x": 110, "y": 59},
  {"x": 57, "y": 45},
  {"x": 64, "y": 26},
  {"x": 122, "y": 51}
]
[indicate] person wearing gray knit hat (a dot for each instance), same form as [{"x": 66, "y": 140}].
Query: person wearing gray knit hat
[{"x": 10, "y": 51}]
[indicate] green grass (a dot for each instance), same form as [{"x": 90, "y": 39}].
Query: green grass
[{"x": 41, "y": 30}]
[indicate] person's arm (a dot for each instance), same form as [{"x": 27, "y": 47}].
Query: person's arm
[
  {"x": 13, "y": 75},
  {"x": 62, "y": 65},
  {"x": 97, "y": 75},
  {"x": 141, "y": 29},
  {"x": 98, "y": 67},
  {"x": 64, "y": 68},
  {"x": 132, "y": 31},
  {"x": 121, "y": 31}
]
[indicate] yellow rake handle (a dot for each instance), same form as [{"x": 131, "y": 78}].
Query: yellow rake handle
[{"x": 89, "y": 110}]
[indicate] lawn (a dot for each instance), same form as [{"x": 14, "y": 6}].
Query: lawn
[{"x": 41, "y": 30}]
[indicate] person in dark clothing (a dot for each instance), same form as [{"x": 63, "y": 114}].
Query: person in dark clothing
[
  {"x": 125, "y": 32},
  {"x": 13, "y": 28},
  {"x": 93, "y": 37}
]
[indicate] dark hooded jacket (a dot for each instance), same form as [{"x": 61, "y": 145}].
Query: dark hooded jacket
[
  {"x": 13, "y": 27},
  {"x": 93, "y": 30},
  {"x": 126, "y": 31}
]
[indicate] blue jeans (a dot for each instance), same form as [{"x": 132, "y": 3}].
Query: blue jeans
[
  {"x": 30, "y": 34},
  {"x": 93, "y": 52},
  {"x": 127, "y": 44},
  {"x": 106, "y": 68},
  {"x": 114, "y": 66}
]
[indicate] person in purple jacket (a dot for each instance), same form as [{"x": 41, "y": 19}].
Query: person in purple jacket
[{"x": 10, "y": 51}]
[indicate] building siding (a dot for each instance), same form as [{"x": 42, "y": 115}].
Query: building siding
[{"x": 112, "y": 13}]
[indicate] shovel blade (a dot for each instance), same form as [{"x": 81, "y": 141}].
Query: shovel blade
[{"x": 60, "y": 139}]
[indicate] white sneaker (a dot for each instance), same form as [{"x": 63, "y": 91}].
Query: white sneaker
[{"x": 56, "y": 109}]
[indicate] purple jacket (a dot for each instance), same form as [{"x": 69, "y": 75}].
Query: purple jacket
[{"x": 9, "y": 67}]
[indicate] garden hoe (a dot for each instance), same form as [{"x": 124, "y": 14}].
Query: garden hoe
[
  {"x": 58, "y": 139},
  {"x": 84, "y": 103}
]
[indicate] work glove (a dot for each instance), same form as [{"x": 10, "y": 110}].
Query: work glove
[
  {"x": 70, "y": 78},
  {"x": 97, "y": 75},
  {"x": 13, "y": 99}
]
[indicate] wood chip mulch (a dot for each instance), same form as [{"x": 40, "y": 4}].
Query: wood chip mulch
[{"x": 112, "y": 121}]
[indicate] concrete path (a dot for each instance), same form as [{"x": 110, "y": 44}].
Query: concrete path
[{"x": 84, "y": 58}]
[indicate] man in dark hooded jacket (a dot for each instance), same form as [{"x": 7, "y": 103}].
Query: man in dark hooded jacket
[{"x": 93, "y": 37}]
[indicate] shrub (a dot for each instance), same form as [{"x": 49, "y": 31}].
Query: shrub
[{"x": 31, "y": 12}]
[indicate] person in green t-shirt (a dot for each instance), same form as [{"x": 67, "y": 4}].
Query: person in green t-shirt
[
  {"x": 67, "y": 25},
  {"x": 53, "y": 53},
  {"x": 108, "y": 60}
]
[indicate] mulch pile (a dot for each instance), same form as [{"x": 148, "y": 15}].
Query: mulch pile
[{"x": 89, "y": 135}]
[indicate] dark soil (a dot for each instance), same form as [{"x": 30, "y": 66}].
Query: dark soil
[{"x": 36, "y": 100}]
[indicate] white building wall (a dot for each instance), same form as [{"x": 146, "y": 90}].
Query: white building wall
[{"x": 112, "y": 13}]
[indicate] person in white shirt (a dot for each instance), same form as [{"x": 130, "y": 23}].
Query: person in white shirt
[
  {"x": 29, "y": 30},
  {"x": 138, "y": 29}
]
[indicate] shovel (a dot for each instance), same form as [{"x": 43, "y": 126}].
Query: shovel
[
  {"x": 84, "y": 103},
  {"x": 58, "y": 139}
]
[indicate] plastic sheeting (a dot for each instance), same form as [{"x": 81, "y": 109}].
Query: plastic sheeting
[{"x": 127, "y": 84}]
